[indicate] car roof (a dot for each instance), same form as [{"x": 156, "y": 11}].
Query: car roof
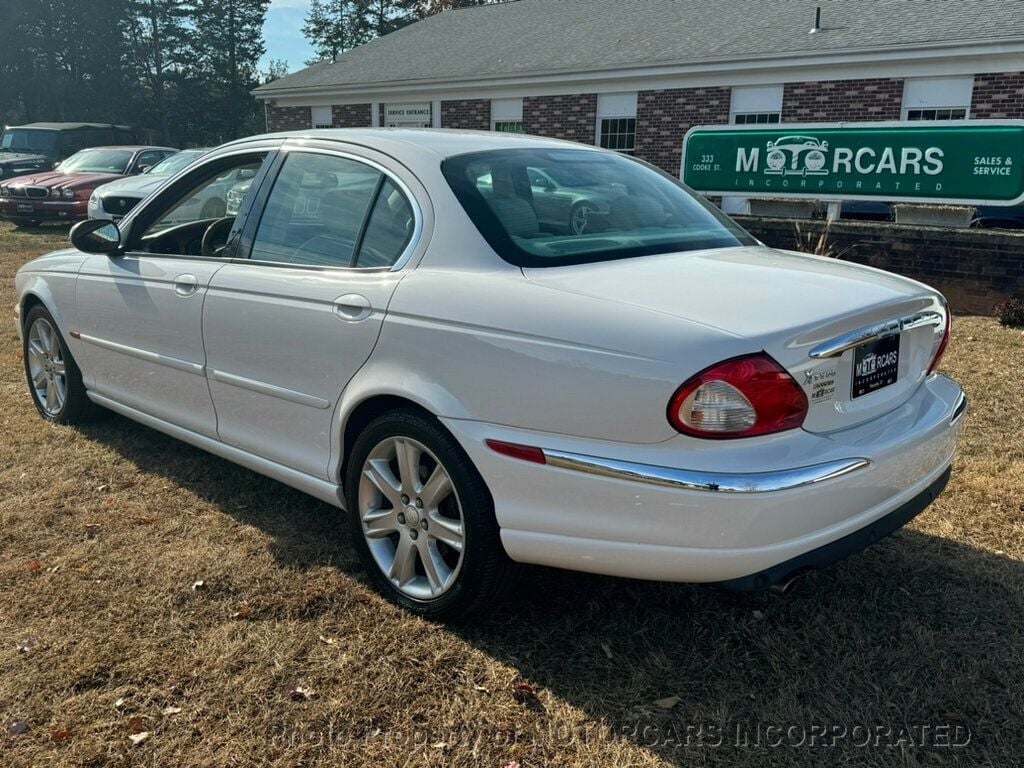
[
  {"x": 132, "y": 147},
  {"x": 441, "y": 142}
]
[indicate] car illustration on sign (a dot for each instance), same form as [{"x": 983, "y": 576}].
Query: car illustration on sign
[
  {"x": 796, "y": 156},
  {"x": 386, "y": 321}
]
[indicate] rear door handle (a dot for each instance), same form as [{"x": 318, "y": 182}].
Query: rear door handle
[
  {"x": 352, "y": 307},
  {"x": 186, "y": 285}
]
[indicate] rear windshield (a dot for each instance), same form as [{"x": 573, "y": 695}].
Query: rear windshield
[{"x": 549, "y": 208}]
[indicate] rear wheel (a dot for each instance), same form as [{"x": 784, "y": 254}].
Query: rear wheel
[
  {"x": 423, "y": 519},
  {"x": 54, "y": 380}
]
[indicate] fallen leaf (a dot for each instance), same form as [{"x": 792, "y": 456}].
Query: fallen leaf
[
  {"x": 439, "y": 745},
  {"x": 17, "y": 728},
  {"x": 526, "y": 695},
  {"x": 668, "y": 702},
  {"x": 298, "y": 693},
  {"x": 129, "y": 483},
  {"x": 136, "y": 724},
  {"x": 363, "y": 598},
  {"x": 607, "y": 650},
  {"x": 138, "y": 738},
  {"x": 198, "y": 585},
  {"x": 61, "y": 735},
  {"x": 243, "y": 613},
  {"x": 170, "y": 711},
  {"x": 92, "y": 530},
  {"x": 525, "y": 689},
  {"x": 32, "y": 566},
  {"x": 326, "y": 640},
  {"x": 27, "y": 645},
  {"x": 757, "y": 615}
]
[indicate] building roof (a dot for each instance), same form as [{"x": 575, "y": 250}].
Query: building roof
[{"x": 547, "y": 36}]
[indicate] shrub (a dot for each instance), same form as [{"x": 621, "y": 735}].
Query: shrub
[{"x": 1010, "y": 313}]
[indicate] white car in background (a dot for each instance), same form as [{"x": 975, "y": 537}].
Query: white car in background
[
  {"x": 387, "y": 324},
  {"x": 113, "y": 201}
]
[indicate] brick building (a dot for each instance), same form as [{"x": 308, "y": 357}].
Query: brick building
[{"x": 634, "y": 76}]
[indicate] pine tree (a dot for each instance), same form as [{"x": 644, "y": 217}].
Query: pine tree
[
  {"x": 225, "y": 47},
  {"x": 157, "y": 30},
  {"x": 335, "y": 26}
]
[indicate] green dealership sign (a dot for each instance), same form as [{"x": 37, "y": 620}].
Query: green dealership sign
[{"x": 976, "y": 162}]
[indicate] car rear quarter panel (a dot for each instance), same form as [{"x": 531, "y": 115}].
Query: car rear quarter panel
[{"x": 491, "y": 346}]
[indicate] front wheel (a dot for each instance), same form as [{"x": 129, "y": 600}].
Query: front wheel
[
  {"x": 54, "y": 380},
  {"x": 423, "y": 519}
]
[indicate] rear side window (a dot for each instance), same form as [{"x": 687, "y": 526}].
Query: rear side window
[
  {"x": 554, "y": 207},
  {"x": 333, "y": 212}
]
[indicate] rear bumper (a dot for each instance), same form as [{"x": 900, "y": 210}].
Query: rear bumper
[
  {"x": 840, "y": 549},
  {"x": 637, "y": 515}
]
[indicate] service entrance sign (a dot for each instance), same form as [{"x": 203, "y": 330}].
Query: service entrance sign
[{"x": 974, "y": 162}]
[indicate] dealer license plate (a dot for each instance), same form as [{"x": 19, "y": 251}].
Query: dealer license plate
[
  {"x": 875, "y": 365},
  {"x": 26, "y": 208}
]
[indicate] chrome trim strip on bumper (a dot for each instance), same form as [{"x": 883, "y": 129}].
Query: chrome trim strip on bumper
[
  {"x": 838, "y": 345},
  {"x": 692, "y": 480}
]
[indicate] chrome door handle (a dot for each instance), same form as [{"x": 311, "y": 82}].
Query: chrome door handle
[
  {"x": 352, "y": 307},
  {"x": 186, "y": 285}
]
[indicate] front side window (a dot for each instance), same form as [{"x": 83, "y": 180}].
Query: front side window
[
  {"x": 619, "y": 133},
  {"x": 205, "y": 197},
  {"x": 97, "y": 161},
  {"x": 333, "y": 212},
  {"x": 604, "y": 206}
]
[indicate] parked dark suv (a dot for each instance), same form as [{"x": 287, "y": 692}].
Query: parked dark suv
[{"x": 40, "y": 146}]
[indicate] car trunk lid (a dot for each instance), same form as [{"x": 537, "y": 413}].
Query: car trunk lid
[{"x": 787, "y": 304}]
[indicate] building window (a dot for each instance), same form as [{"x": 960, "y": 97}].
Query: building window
[
  {"x": 757, "y": 118},
  {"x": 321, "y": 117},
  {"x": 619, "y": 133},
  {"x": 616, "y": 122},
  {"x": 951, "y": 113},
  {"x": 507, "y": 115},
  {"x": 937, "y": 98},
  {"x": 756, "y": 105},
  {"x": 508, "y": 126}
]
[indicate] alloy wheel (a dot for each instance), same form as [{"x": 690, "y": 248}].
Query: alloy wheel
[
  {"x": 580, "y": 219},
  {"x": 46, "y": 366},
  {"x": 411, "y": 518}
]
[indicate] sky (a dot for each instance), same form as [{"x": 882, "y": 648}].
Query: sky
[{"x": 283, "y": 34}]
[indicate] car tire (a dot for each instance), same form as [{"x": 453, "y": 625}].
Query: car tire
[
  {"x": 213, "y": 209},
  {"x": 404, "y": 519},
  {"x": 54, "y": 379}
]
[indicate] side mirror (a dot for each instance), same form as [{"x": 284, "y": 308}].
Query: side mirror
[{"x": 96, "y": 236}]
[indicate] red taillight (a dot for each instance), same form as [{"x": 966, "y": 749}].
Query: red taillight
[
  {"x": 515, "y": 451},
  {"x": 942, "y": 344},
  {"x": 742, "y": 397}
]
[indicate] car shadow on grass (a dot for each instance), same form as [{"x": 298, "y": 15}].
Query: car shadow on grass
[{"x": 909, "y": 653}]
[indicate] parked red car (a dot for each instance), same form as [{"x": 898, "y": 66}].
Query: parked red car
[{"x": 63, "y": 193}]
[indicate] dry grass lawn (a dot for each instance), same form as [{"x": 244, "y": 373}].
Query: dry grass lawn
[{"x": 106, "y": 531}]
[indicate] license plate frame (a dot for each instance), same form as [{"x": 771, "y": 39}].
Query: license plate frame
[
  {"x": 876, "y": 366},
  {"x": 25, "y": 208}
]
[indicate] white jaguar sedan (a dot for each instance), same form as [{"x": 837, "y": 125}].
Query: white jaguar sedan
[{"x": 390, "y": 324}]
